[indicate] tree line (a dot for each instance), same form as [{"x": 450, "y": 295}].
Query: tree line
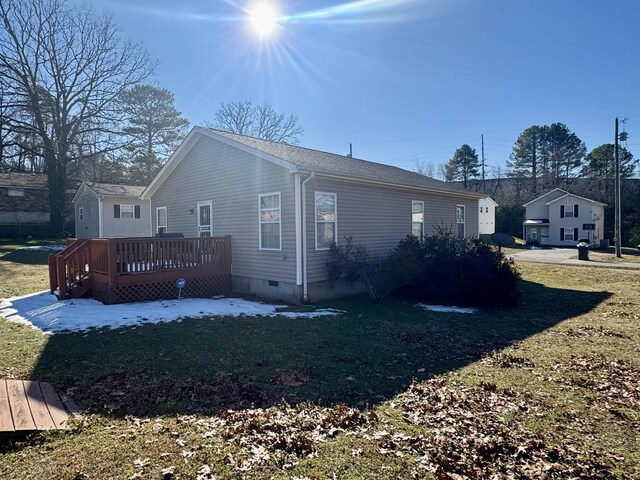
[
  {"x": 545, "y": 157},
  {"x": 77, "y": 102}
]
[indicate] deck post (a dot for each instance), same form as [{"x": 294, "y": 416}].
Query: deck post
[
  {"x": 62, "y": 277},
  {"x": 53, "y": 272},
  {"x": 111, "y": 258}
]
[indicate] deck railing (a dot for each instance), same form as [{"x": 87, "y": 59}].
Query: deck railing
[{"x": 106, "y": 260}]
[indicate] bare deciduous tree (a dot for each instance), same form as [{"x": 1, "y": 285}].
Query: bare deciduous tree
[
  {"x": 66, "y": 67},
  {"x": 260, "y": 121}
]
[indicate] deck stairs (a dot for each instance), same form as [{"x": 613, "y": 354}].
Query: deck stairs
[{"x": 69, "y": 270}]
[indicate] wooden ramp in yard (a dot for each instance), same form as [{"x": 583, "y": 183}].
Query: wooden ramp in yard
[{"x": 29, "y": 406}]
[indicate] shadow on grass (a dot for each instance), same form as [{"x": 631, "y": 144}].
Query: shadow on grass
[
  {"x": 366, "y": 356},
  {"x": 28, "y": 257}
]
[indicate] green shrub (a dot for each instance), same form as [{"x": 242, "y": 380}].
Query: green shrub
[
  {"x": 446, "y": 268},
  {"x": 442, "y": 268},
  {"x": 353, "y": 262}
]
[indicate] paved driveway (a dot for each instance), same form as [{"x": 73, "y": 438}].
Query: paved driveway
[{"x": 564, "y": 256}]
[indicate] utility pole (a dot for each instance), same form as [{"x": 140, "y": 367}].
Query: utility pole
[
  {"x": 618, "y": 210},
  {"x": 484, "y": 188}
]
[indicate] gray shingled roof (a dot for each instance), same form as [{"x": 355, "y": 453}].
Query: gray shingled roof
[
  {"x": 23, "y": 180},
  {"x": 115, "y": 190},
  {"x": 325, "y": 162}
]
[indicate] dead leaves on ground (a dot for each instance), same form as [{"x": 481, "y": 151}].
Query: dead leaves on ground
[
  {"x": 141, "y": 393},
  {"x": 477, "y": 432}
]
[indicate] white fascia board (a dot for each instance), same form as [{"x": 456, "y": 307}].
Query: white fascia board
[
  {"x": 542, "y": 196},
  {"x": 85, "y": 186},
  {"x": 495, "y": 204},
  {"x": 194, "y": 135},
  {"x": 171, "y": 164},
  {"x": 575, "y": 196},
  {"x": 346, "y": 178}
]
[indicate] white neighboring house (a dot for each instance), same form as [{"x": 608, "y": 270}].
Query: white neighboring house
[
  {"x": 105, "y": 210},
  {"x": 487, "y": 216},
  {"x": 560, "y": 218}
]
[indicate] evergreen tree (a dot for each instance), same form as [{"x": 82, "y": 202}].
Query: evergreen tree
[
  {"x": 154, "y": 129},
  {"x": 524, "y": 162},
  {"x": 562, "y": 153},
  {"x": 600, "y": 167},
  {"x": 463, "y": 166}
]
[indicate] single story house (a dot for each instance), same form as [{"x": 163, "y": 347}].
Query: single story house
[
  {"x": 284, "y": 206},
  {"x": 560, "y": 218},
  {"x": 105, "y": 210},
  {"x": 487, "y": 215},
  {"x": 24, "y": 204}
]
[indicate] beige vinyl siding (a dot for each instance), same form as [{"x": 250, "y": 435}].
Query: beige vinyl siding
[
  {"x": 89, "y": 226},
  {"x": 379, "y": 217},
  {"x": 232, "y": 180},
  {"x": 125, "y": 227}
]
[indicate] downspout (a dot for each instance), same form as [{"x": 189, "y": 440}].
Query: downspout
[{"x": 305, "y": 292}]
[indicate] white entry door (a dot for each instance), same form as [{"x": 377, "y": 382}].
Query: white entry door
[{"x": 205, "y": 219}]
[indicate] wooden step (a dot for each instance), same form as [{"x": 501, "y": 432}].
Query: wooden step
[
  {"x": 27, "y": 406},
  {"x": 82, "y": 287}
]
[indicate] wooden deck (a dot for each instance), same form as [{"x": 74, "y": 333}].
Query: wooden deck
[
  {"x": 27, "y": 406},
  {"x": 120, "y": 270}
]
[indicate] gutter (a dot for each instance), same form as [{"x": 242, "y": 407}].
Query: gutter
[
  {"x": 305, "y": 291},
  {"x": 454, "y": 193}
]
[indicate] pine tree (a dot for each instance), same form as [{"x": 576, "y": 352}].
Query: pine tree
[
  {"x": 562, "y": 153},
  {"x": 524, "y": 160},
  {"x": 463, "y": 166},
  {"x": 154, "y": 129}
]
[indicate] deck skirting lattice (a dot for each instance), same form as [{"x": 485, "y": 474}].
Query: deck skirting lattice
[{"x": 206, "y": 286}]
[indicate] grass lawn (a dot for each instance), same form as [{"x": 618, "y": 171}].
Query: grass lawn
[{"x": 549, "y": 388}]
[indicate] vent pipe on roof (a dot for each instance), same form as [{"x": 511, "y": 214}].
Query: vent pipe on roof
[{"x": 350, "y": 155}]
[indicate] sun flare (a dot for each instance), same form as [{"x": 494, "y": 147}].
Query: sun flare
[{"x": 264, "y": 19}]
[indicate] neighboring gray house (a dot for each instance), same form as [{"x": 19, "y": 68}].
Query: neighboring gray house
[
  {"x": 560, "y": 218},
  {"x": 487, "y": 216},
  {"x": 285, "y": 205},
  {"x": 105, "y": 210}
]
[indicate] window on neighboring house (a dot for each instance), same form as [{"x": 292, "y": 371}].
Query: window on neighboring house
[
  {"x": 569, "y": 210},
  {"x": 326, "y": 220},
  {"x": 568, "y": 234},
  {"x": 417, "y": 218},
  {"x": 15, "y": 192},
  {"x": 81, "y": 213},
  {"x": 460, "y": 219},
  {"x": 161, "y": 219},
  {"x": 126, "y": 211},
  {"x": 269, "y": 218}
]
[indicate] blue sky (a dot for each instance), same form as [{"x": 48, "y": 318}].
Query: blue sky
[{"x": 403, "y": 80}]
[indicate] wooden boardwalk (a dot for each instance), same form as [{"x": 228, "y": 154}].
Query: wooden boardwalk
[{"x": 27, "y": 406}]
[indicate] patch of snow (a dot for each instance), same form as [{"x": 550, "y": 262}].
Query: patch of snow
[
  {"x": 45, "y": 248},
  {"x": 446, "y": 309},
  {"x": 44, "y": 312}
]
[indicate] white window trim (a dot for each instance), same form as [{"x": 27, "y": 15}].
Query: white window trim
[
  {"x": 315, "y": 218},
  {"x": 464, "y": 223},
  {"x": 166, "y": 219},
  {"x": 133, "y": 211},
  {"x": 569, "y": 207},
  {"x": 571, "y": 231},
  {"x": 199, "y": 204},
  {"x": 81, "y": 213},
  {"x": 412, "y": 222},
  {"x": 260, "y": 222}
]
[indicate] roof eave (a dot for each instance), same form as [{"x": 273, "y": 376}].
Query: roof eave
[{"x": 331, "y": 174}]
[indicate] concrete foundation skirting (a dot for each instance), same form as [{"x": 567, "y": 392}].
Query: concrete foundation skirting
[{"x": 291, "y": 293}]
